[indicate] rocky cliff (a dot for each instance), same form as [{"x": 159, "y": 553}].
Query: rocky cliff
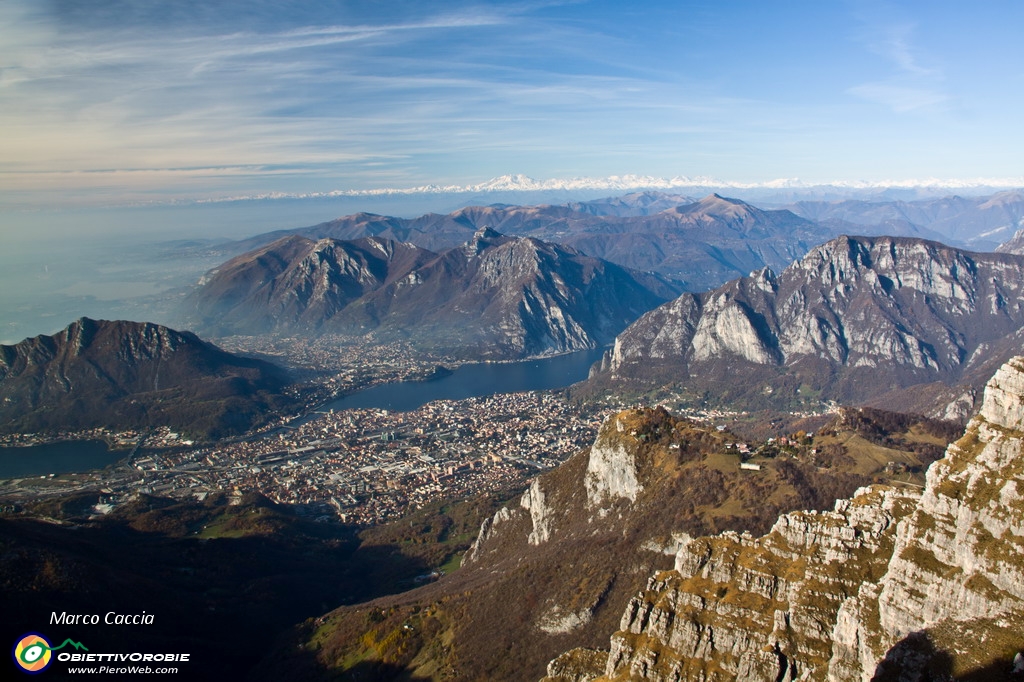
[
  {"x": 892, "y": 584},
  {"x": 492, "y": 297},
  {"x": 1014, "y": 244},
  {"x": 296, "y": 283},
  {"x": 856, "y": 320}
]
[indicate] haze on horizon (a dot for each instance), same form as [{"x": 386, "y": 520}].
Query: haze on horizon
[
  {"x": 125, "y": 101},
  {"x": 121, "y": 117}
]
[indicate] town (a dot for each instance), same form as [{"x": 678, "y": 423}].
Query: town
[
  {"x": 331, "y": 365},
  {"x": 362, "y": 466},
  {"x": 358, "y": 466}
]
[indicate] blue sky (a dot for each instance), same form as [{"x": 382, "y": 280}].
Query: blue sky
[{"x": 107, "y": 101}]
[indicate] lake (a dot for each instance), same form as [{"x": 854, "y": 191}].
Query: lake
[
  {"x": 473, "y": 381},
  {"x": 468, "y": 381},
  {"x": 57, "y": 458}
]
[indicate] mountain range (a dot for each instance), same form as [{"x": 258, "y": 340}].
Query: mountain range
[
  {"x": 857, "y": 320},
  {"x": 978, "y": 223},
  {"x": 573, "y": 276},
  {"x": 117, "y": 374},
  {"x": 493, "y": 296},
  {"x": 702, "y": 243},
  {"x": 522, "y": 186}
]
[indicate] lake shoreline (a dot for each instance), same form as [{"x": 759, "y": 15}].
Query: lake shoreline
[{"x": 470, "y": 380}]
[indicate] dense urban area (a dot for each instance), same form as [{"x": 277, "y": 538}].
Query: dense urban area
[
  {"x": 360, "y": 466},
  {"x": 334, "y": 364}
]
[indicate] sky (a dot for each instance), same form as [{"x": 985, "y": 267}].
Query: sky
[{"x": 121, "y": 101}]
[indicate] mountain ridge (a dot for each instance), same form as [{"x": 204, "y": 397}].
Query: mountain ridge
[
  {"x": 928, "y": 313},
  {"x": 892, "y": 584},
  {"x": 494, "y": 296},
  {"x": 119, "y": 374},
  {"x": 656, "y": 230},
  {"x": 713, "y": 241},
  {"x": 978, "y": 223}
]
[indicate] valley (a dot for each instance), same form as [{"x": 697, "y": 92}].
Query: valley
[
  {"x": 358, "y": 466},
  {"x": 719, "y": 404},
  {"x": 488, "y": 341}
]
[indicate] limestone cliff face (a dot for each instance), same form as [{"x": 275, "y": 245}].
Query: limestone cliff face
[
  {"x": 610, "y": 475},
  {"x": 920, "y": 311},
  {"x": 960, "y": 556},
  {"x": 564, "y": 559},
  {"x": 611, "y": 468},
  {"x": 891, "y": 584}
]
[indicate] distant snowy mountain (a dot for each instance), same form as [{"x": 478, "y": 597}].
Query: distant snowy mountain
[{"x": 517, "y": 182}]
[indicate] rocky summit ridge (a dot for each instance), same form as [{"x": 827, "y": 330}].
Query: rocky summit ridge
[
  {"x": 120, "y": 374},
  {"x": 892, "y": 584}
]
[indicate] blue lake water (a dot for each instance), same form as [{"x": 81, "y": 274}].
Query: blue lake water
[
  {"x": 468, "y": 381},
  {"x": 472, "y": 381},
  {"x": 57, "y": 458}
]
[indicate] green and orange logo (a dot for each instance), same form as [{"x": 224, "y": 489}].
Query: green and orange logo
[{"x": 33, "y": 653}]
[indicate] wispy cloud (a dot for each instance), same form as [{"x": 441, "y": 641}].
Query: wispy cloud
[
  {"x": 472, "y": 80},
  {"x": 290, "y": 96},
  {"x": 106, "y": 98},
  {"x": 899, "y": 98},
  {"x": 894, "y": 43},
  {"x": 912, "y": 83}
]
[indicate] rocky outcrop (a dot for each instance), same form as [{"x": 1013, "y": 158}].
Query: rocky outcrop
[
  {"x": 890, "y": 584},
  {"x": 921, "y": 312},
  {"x": 1014, "y": 244},
  {"x": 540, "y": 515},
  {"x": 609, "y": 475},
  {"x": 611, "y": 467},
  {"x": 577, "y": 665}
]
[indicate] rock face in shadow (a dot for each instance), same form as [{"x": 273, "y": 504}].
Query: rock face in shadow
[
  {"x": 121, "y": 374},
  {"x": 890, "y": 584}
]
